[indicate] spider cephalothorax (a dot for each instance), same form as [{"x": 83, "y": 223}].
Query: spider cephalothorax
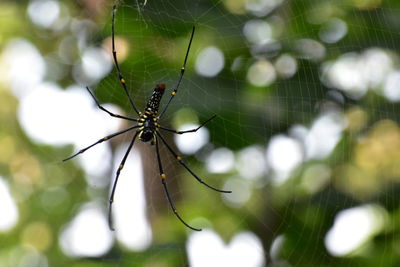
[{"x": 148, "y": 129}]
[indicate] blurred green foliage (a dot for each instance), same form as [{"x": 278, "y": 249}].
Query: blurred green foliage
[{"x": 364, "y": 166}]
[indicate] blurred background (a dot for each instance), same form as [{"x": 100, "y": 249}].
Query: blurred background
[{"x": 306, "y": 136}]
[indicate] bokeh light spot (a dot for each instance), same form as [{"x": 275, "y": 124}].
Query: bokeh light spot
[
  {"x": 206, "y": 248},
  {"x": 88, "y": 234},
  {"x": 324, "y": 134},
  {"x": 284, "y": 154},
  {"x": 235, "y": 6},
  {"x": 132, "y": 226},
  {"x": 190, "y": 143},
  {"x": 261, "y": 73},
  {"x": 47, "y": 117},
  {"x": 18, "y": 58},
  {"x": 251, "y": 162},
  {"x": 356, "y": 73},
  {"x": 9, "y": 211},
  {"x": 210, "y": 61},
  {"x": 286, "y": 66},
  {"x": 333, "y": 30},
  {"x": 310, "y": 49},
  {"x": 367, "y": 4},
  {"x": 391, "y": 89},
  {"x": 122, "y": 47},
  {"x": 38, "y": 235},
  {"x": 315, "y": 178},
  {"x": 352, "y": 228},
  {"x": 257, "y": 31},
  {"x": 96, "y": 63},
  {"x": 44, "y": 12},
  {"x": 241, "y": 192},
  {"x": 261, "y": 8},
  {"x": 221, "y": 160}
]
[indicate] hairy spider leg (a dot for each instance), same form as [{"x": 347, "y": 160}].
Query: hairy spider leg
[
  {"x": 164, "y": 183},
  {"x": 180, "y": 76},
  {"x": 105, "y": 110},
  {"x": 187, "y": 131},
  {"x": 179, "y": 159},
  {"x": 114, "y": 52},
  {"x": 108, "y": 137},
  {"x": 121, "y": 166}
]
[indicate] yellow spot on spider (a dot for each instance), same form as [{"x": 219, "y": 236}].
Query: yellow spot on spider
[
  {"x": 163, "y": 176},
  {"x": 173, "y": 93},
  {"x": 105, "y": 138},
  {"x": 121, "y": 166},
  {"x": 111, "y": 201},
  {"x": 122, "y": 80},
  {"x": 178, "y": 158}
]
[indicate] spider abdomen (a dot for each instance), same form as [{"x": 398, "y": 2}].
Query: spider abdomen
[{"x": 154, "y": 102}]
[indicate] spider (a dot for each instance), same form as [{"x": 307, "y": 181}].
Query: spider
[{"x": 147, "y": 129}]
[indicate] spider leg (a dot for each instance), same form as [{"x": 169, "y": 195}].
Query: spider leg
[
  {"x": 181, "y": 74},
  {"x": 114, "y": 52},
  {"x": 105, "y": 110},
  {"x": 108, "y": 137},
  {"x": 179, "y": 159},
  {"x": 187, "y": 131},
  {"x": 121, "y": 166},
  {"x": 164, "y": 183}
]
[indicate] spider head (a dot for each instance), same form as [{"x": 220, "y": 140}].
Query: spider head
[
  {"x": 160, "y": 86},
  {"x": 146, "y": 135}
]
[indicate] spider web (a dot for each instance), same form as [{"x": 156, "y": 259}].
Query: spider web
[
  {"x": 151, "y": 63},
  {"x": 284, "y": 107},
  {"x": 290, "y": 108}
]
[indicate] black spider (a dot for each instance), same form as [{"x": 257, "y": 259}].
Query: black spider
[{"x": 148, "y": 129}]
